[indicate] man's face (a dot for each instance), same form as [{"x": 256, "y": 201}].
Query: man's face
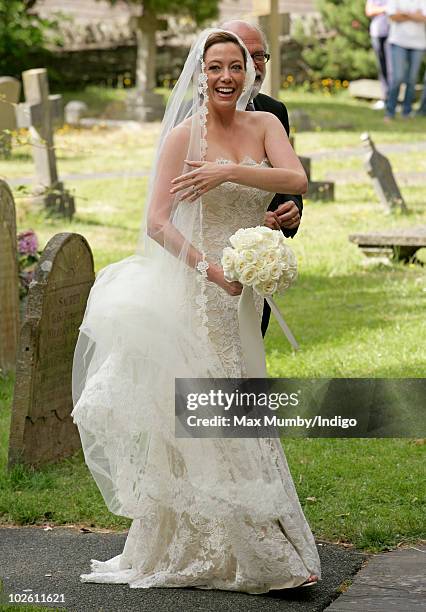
[{"x": 253, "y": 41}]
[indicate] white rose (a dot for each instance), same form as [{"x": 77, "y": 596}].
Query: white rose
[
  {"x": 249, "y": 255},
  {"x": 271, "y": 257},
  {"x": 248, "y": 275},
  {"x": 262, "y": 229},
  {"x": 228, "y": 258},
  {"x": 276, "y": 271},
  {"x": 270, "y": 287},
  {"x": 239, "y": 264},
  {"x": 264, "y": 274},
  {"x": 244, "y": 239}
]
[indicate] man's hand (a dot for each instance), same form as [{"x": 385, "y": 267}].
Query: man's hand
[
  {"x": 271, "y": 220},
  {"x": 288, "y": 215}
]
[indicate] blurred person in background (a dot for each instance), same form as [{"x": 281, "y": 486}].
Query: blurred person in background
[
  {"x": 407, "y": 44},
  {"x": 379, "y": 31}
]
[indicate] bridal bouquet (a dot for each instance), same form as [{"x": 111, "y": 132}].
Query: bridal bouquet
[{"x": 259, "y": 258}]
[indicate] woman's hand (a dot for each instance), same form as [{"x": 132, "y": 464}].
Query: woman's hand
[
  {"x": 216, "y": 275},
  {"x": 207, "y": 175}
]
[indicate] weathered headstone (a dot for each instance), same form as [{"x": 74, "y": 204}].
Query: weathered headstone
[
  {"x": 74, "y": 111},
  {"x": 317, "y": 190},
  {"x": 301, "y": 121},
  {"x": 10, "y": 89},
  {"x": 38, "y": 113},
  {"x": 321, "y": 190},
  {"x": 42, "y": 430},
  {"x": 379, "y": 168},
  {"x": 9, "y": 281}
]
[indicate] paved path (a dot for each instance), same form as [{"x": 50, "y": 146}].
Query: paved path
[
  {"x": 51, "y": 561},
  {"x": 390, "y": 582}
]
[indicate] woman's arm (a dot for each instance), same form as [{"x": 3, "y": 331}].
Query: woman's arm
[
  {"x": 286, "y": 175},
  {"x": 418, "y": 16},
  {"x": 372, "y": 9},
  {"x": 400, "y": 17},
  {"x": 159, "y": 226}
]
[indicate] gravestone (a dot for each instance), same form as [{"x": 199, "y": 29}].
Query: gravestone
[
  {"x": 379, "y": 168},
  {"x": 9, "y": 281},
  {"x": 42, "y": 429},
  {"x": 10, "y": 89},
  {"x": 74, "y": 110},
  {"x": 317, "y": 190},
  {"x": 301, "y": 121},
  {"x": 38, "y": 113}
]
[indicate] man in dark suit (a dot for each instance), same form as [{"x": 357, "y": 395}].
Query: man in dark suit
[{"x": 285, "y": 210}]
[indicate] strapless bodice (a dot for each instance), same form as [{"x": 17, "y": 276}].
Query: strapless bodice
[{"x": 229, "y": 207}]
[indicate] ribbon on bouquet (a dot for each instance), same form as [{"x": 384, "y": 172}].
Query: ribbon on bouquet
[
  {"x": 251, "y": 335},
  {"x": 287, "y": 331}
]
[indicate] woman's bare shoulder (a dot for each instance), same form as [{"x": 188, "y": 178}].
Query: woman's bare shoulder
[
  {"x": 179, "y": 135},
  {"x": 257, "y": 117}
]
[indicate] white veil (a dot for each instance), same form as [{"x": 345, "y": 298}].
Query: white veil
[{"x": 145, "y": 325}]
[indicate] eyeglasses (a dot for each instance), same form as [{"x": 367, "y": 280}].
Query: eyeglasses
[{"x": 261, "y": 58}]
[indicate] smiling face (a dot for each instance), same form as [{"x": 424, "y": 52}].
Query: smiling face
[
  {"x": 254, "y": 42},
  {"x": 224, "y": 65}
]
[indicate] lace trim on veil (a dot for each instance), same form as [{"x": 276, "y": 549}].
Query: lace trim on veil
[{"x": 202, "y": 266}]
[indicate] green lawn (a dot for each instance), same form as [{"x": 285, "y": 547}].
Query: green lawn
[{"x": 349, "y": 319}]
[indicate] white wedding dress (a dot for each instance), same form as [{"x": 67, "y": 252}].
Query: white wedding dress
[{"x": 208, "y": 513}]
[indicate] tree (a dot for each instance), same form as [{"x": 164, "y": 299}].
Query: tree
[
  {"x": 346, "y": 51},
  {"x": 22, "y": 34},
  {"x": 199, "y": 10}
]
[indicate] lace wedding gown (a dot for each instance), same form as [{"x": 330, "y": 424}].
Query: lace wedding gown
[{"x": 210, "y": 530}]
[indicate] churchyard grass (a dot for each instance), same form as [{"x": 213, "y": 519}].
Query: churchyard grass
[{"x": 350, "y": 320}]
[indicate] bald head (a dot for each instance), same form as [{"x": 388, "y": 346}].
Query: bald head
[
  {"x": 246, "y": 31},
  {"x": 255, "y": 41}
]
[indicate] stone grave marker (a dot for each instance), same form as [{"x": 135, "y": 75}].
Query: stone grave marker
[
  {"x": 379, "y": 168},
  {"x": 42, "y": 430},
  {"x": 74, "y": 110},
  {"x": 10, "y": 90},
  {"x": 38, "y": 113},
  {"x": 317, "y": 190},
  {"x": 301, "y": 121},
  {"x": 9, "y": 281}
]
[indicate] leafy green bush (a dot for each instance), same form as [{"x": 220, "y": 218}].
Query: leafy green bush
[
  {"x": 345, "y": 51},
  {"x": 22, "y": 36}
]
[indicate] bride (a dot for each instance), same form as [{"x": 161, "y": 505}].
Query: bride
[{"x": 209, "y": 513}]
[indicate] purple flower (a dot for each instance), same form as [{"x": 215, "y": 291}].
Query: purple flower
[{"x": 27, "y": 243}]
